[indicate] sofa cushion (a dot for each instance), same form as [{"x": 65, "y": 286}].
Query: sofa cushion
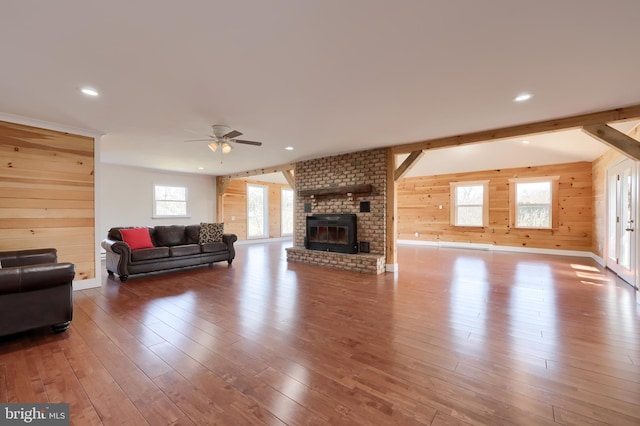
[
  {"x": 186, "y": 250},
  {"x": 211, "y": 232},
  {"x": 137, "y": 238},
  {"x": 173, "y": 235},
  {"x": 213, "y": 247},
  {"x": 193, "y": 234},
  {"x": 149, "y": 254}
]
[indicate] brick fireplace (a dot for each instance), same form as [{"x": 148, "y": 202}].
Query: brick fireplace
[{"x": 333, "y": 186}]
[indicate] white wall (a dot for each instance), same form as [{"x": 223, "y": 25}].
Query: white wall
[{"x": 126, "y": 197}]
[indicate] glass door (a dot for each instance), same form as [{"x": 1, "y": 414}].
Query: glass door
[{"x": 621, "y": 220}]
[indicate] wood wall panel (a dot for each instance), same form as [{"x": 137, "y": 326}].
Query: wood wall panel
[
  {"x": 275, "y": 207},
  {"x": 47, "y": 194},
  {"x": 234, "y": 204},
  {"x": 424, "y": 205}
]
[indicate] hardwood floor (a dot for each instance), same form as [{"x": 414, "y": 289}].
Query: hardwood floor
[{"x": 455, "y": 337}]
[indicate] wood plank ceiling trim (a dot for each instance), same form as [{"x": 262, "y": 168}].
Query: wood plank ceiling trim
[
  {"x": 407, "y": 164},
  {"x": 615, "y": 139},
  {"x": 291, "y": 179}
]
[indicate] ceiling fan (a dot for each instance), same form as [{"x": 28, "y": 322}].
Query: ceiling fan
[{"x": 223, "y": 137}]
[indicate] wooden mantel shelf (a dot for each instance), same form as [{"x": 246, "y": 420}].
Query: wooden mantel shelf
[{"x": 337, "y": 190}]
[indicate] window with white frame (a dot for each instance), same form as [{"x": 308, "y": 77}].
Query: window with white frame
[
  {"x": 470, "y": 203},
  {"x": 534, "y": 202},
  {"x": 257, "y": 218},
  {"x": 170, "y": 201},
  {"x": 286, "y": 209}
]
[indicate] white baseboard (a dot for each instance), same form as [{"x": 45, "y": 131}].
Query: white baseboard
[
  {"x": 490, "y": 247},
  {"x": 598, "y": 259},
  {"x": 391, "y": 267},
  {"x": 262, "y": 240},
  {"x": 85, "y": 284}
]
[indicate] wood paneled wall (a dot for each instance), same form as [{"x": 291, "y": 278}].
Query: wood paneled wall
[
  {"x": 47, "y": 194},
  {"x": 420, "y": 198},
  {"x": 234, "y": 207}
]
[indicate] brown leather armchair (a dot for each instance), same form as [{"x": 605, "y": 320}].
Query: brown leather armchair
[{"x": 35, "y": 291}]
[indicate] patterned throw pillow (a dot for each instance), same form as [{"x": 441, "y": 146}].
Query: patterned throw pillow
[{"x": 211, "y": 233}]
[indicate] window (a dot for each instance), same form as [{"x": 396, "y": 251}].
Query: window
[
  {"x": 286, "y": 208},
  {"x": 257, "y": 219},
  {"x": 170, "y": 201},
  {"x": 534, "y": 203},
  {"x": 470, "y": 203}
]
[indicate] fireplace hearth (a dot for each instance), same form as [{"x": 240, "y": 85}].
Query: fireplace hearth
[{"x": 332, "y": 232}]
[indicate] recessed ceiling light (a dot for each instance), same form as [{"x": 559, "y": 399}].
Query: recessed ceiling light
[
  {"x": 89, "y": 91},
  {"x": 289, "y": 148},
  {"x": 522, "y": 97},
  {"x": 200, "y": 168},
  {"x": 525, "y": 142}
]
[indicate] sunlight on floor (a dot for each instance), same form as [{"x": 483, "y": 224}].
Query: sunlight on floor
[{"x": 591, "y": 276}]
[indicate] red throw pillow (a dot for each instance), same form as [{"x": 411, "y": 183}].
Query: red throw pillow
[{"x": 137, "y": 238}]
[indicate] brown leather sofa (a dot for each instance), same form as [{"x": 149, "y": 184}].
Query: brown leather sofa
[
  {"x": 35, "y": 291},
  {"x": 175, "y": 246}
]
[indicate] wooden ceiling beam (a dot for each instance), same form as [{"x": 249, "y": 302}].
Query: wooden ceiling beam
[
  {"x": 264, "y": 171},
  {"x": 407, "y": 164},
  {"x": 222, "y": 182},
  {"x": 615, "y": 139},
  {"x": 288, "y": 175},
  {"x": 577, "y": 121}
]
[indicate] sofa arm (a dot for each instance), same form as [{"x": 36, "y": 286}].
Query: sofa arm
[
  {"x": 20, "y": 279},
  {"x": 115, "y": 246},
  {"x": 118, "y": 256},
  {"x": 28, "y": 257},
  {"x": 229, "y": 239}
]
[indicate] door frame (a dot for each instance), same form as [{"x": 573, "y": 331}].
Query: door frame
[{"x": 633, "y": 278}]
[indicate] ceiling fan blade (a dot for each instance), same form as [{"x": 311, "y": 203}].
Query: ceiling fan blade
[
  {"x": 232, "y": 134},
  {"x": 248, "y": 142}
]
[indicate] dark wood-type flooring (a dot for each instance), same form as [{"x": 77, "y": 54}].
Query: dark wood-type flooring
[{"x": 455, "y": 337}]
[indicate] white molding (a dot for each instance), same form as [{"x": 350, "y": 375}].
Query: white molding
[
  {"x": 391, "y": 267},
  {"x": 418, "y": 243},
  {"x": 473, "y": 246},
  {"x": 599, "y": 260},
  {"x": 97, "y": 199},
  {"x": 85, "y": 284},
  {"x": 262, "y": 240},
  {"x": 492, "y": 247}
]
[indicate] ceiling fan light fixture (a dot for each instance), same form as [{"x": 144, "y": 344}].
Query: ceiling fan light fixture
[
  {"x": 226, "y": 148},
  {"x": 213, "y": 146},
  {"x": 219, "y": 130}
]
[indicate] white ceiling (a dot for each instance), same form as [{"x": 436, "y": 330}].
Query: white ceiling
[{"x": 325, "y": 77}]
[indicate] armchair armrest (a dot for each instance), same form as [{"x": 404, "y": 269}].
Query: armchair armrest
[
  {"x": 20, "y": 279},
  {"x": 28, "y": 257}
]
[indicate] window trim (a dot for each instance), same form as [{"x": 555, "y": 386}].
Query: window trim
[
  {"x": 265, "y": 211},
  {"x": 453, "y": 211},
  {"x": 155, "y": 214},
  {"x": 555, "y": 204}
]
